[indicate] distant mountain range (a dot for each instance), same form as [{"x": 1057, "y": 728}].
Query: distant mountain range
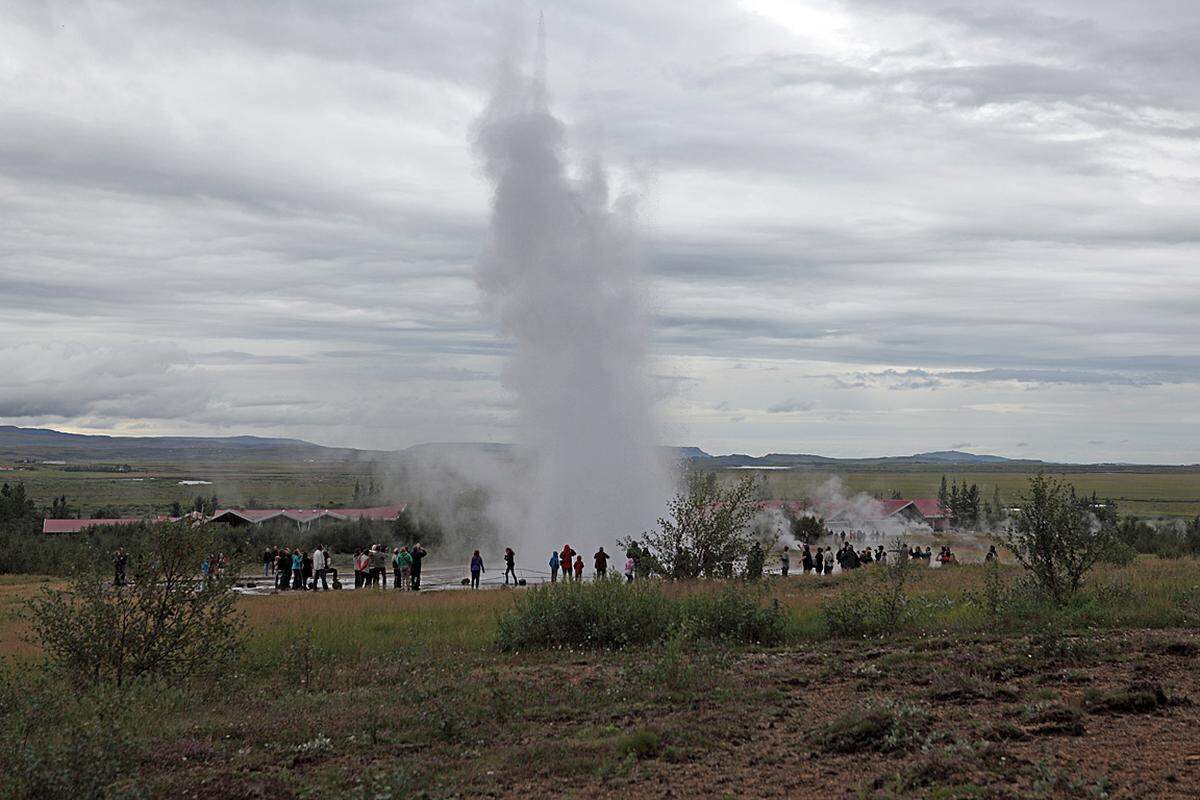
[{"x": 41, "y": 444}]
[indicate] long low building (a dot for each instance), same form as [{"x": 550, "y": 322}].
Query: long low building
[
  {"x": 77, "y": 525},
  {"x": 240, "y": 516},
  {"x": 306, "y": 516}
]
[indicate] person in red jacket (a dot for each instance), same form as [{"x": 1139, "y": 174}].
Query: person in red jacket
[
  {"x": 565, "y": 559},
  {"x": 578, "y": 568}
]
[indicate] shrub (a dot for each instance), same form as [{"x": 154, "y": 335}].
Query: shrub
[
  {"x": 1136, "y": 699},
  {"x": 605, "y": 613},
  {"x": 882, "y": 728},
  {"x": 613, "y": 614},
  {"x": 163, "y": 621},
  {"x": 733, "y": 614},
  {"x": 640, "y": 745},
  {"x": 878, "y": 604}
]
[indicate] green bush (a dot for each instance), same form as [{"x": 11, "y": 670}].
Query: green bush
[
  {"x": 733, "y": 614},
  {"x": 163, "y": 621},
  {"x": 600, "y": 614},
  {"x": 873, "y": 604},
  {"x": 613, "y": 614},
  {"x": 883, "y": 728},
  {"x": 640, "y": 745}
]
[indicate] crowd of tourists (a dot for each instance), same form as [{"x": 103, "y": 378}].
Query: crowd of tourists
[
  {"x": 300, "y": 570},
  {"x": 570, "y": 564},
  {"x": 848, "y": 557},
  {"x": 567, "y": 562},
  {"x": 214, "y": 566}
]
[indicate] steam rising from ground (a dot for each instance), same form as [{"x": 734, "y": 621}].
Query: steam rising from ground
[{"x": 563, "y": 278}]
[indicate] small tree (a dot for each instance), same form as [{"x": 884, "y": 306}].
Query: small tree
[
  {"x": 1054, "y": 537},
  {"x": 165, "y": 621},
  {"x": 709, "y": 526},
  {"x": 807, "y": 528},
  {"x": 756, "y": 559}
]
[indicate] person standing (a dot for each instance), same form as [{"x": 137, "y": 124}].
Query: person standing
[
  {"x": 306, "y": 563},
  {"x": 819, "y": 560},
  {"x": 283, "y": 568},
  {"x": 806, "y": 560},
  {"x": 297, "y": 570},
  {"x": 510, "y": 565},
  {"x": 565, "y": 560},
  {"x": 476, "y": 569},
  {"x": 320, "y": 568},
  {"x": 404, "y": 574},
  {"x": 417, "y": 554},
  {"x": 380, "y": 562},
  {"x": 359, "y": 577},
  {"x": 578, "y": 568},
  {"x": 120, "y": 562},
  {"x": 554, "y": 566},
  {"x": 268, "y": 561},
  {"x": 601, "y": 564},
  {"x": 785, "y": 561},
  {"x": 629, "y": 569}
]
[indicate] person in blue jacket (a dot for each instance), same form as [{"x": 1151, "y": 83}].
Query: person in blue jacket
[{"x": 554, "y": 566}]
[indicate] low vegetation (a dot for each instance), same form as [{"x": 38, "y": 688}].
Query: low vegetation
[
  {"x": 733, "y": 689},
  {"x": 151, "y": 617},
  {"x": 611, "y": 614}
]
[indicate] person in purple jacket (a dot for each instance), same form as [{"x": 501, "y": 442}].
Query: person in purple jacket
[{"x": 476, "y": 569}]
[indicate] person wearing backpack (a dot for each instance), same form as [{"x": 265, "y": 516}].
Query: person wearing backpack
[{"x": 554, "y": 566}]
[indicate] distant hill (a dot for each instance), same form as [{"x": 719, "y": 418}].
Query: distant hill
[
  {"x": 45, "y": 445},
  {"x": 810, "y": 460},
  {"x": 958, "y": 457},
  {"x": 42, "y": 444},
  {"x": 431, "y": 449}
]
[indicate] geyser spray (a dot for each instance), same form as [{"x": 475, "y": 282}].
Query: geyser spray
[{"x": 562, "y": 276}]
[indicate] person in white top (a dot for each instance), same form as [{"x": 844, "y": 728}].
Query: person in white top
[{"x": 319, "y": 568}]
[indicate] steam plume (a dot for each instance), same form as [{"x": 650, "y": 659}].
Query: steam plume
[{"x": 562, "y": 276}]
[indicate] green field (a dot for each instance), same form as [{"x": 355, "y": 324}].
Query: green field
[
  {"x": 153, "y": 486},
  {"x": 1165, "y": 492}
]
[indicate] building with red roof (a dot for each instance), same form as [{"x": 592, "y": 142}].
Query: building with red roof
[
  {"x": 304, "y": 517},
  {"x": 78, "y": 525}
]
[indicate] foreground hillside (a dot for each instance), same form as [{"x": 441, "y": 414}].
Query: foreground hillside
[{"x": 395, "y": 695}]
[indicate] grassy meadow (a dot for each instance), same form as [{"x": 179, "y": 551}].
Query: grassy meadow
[
  {"x": 152, "y": 487},
  {"x": 978, "y": 690},
  {"x": 150, "y": 490},
  {"x": 1159, "y": 492}
]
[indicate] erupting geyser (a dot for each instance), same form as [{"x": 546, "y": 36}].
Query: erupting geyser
[{"x": 562, "y": 276}]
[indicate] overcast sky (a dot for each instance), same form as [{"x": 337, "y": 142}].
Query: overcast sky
[{"x": 871, "y": 226}]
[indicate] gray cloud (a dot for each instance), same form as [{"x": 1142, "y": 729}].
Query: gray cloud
[
  {"x": 791, "y": 406},
  {"x": 890, "y": 207}
]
